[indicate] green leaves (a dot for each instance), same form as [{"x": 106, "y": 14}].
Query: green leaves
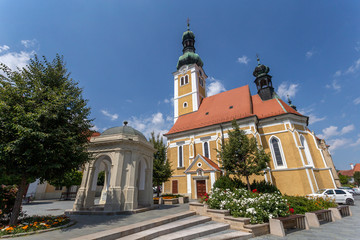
[{"x": 241, "y": 155}]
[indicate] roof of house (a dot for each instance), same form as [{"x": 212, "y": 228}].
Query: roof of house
[
  {"x": 227, "y": 106},
  {"x": 350, "y": 172}
]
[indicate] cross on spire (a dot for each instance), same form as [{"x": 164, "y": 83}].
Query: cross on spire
[
  {"x": 188, "y": 24},
  {"x": 258, "y": 59}
]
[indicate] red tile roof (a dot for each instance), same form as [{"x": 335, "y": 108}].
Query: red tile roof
[
  {"x": 356, "y": 168},
  {"x": 208, "y": 160},
  {"x": 349, "y": 173},
  {"x": 227, "y": 106}
]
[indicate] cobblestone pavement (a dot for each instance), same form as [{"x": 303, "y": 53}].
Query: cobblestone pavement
[{"x": 347, "y": 228}]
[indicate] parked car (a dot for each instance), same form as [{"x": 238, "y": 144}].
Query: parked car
[
  {"x": 357, "y": 191},
  {"x": 339, "y": 195},
  {"x": 349, "y": 189}
]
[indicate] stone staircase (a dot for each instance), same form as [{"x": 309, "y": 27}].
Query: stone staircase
[{"x": 179, "y": 226}]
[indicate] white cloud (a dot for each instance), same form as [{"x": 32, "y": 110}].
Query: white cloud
[
  {"x": 214, "y": 87},
  {"x": 347, "y": 129},
  {"x": 154, "y": 123},
  {"x": 310, "y": 113},
  {"x": 4, "y": 48},
  {"x": 166, "y": 100},
  {"x": 16, "y": 60},
  {"x": 284, "y": 90},
  {"x": 29, "y": 43},
  {"x": 357, "y": 46},
  {"x": 95, "y": 128},
  {"x": 353, "y": 68},
  {"x": 112, "y": 117},
  {"x": 309, "y": 54},
  {"x": 313, "y": 118},
  {"x": 339, "y": 142},
  {"x": 357, "y": 101},
  {"x": 334, "y": 85},
  {"x": 356, "y": 143},
  {"x": 337, "y": 73},
  {"x": 244, "y": 59},
  {"x": 333, "y": 131},
  {"x": 129, "y": 100}
]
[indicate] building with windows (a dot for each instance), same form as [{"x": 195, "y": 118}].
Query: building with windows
[{"x": 201, "y": 124}]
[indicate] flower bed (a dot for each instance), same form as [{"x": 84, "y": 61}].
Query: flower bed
[
  {"x": 36, "y": 223},
  {"x": 301, "y": 205},
  {"x": 259, "y": 207}
]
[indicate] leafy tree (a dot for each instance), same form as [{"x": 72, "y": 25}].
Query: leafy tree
[
  {"x": 44, "y": 123},
  {"x": 162, "y": 169},
  {"x": 357, "y": 178},
  {"x": 71, "y": 178},
  {"x": 241, "y": 156},
  {"x": 101, "y": 178},
  {"x": 344, "y": 179}
]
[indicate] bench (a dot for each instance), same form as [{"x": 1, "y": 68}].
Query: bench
[
  {"x": 68, "y": 195},
  {"x": 314, "y": 218},
  {"x": 278, "y": 225}
]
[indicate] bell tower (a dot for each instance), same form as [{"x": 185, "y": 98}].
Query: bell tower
[
  {"x": 263, "y": 82},
  {"x": 189, "y": 79}
]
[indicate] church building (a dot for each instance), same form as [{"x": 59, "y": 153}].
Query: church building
[{"x": 201, "y": 123}]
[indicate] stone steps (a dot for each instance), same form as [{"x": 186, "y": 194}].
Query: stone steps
[
  {"x": 227, "y": 235},
  {"x": 136, "y": 227},
  {"x": 167, "y": 228},
  {"x": 195, "y": 232}
]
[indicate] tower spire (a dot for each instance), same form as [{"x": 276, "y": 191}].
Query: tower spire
[
  {"x": 258, "y": 59},
  {"x": 188, "y": 24}
]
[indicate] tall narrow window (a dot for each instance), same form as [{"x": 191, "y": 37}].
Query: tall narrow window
[
  {"x": 180, "y": 161},
  {"x": 303, "y": 141},
  {"x": 206, "y": 149},
  {"x": 182, "y": 81},
  {"x": 186, "y": 79},
  {"x": 276, "y": 152}
]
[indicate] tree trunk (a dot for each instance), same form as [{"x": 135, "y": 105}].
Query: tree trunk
[
  {"x": 248, "y": 183},
  {"x": 158, "y": 191},
  {"x": 18, "y": 201},
  {"x": 68, "y": 193}
]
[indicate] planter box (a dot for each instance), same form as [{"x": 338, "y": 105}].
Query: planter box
[
  {"x": 258, "y": 229},
  {"x": 199, "y": 208},
  {"x": 218, "y": 215},
  {"x": 171, "y": 201},
  {"x": 237, "y": 223},
  {"x": 183, "y": 200}
]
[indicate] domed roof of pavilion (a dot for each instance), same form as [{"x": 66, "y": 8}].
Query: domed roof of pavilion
[{"x": 124, "y": 130}]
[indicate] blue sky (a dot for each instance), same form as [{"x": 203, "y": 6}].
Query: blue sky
[{"x": 123, "y": 54}]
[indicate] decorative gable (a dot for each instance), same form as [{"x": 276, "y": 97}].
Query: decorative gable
[{"x": 202, "y": 163}]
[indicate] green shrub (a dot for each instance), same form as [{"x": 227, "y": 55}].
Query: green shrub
[
  {"x": 225, "y": 182},
  {"x": 302, "y": 205}
]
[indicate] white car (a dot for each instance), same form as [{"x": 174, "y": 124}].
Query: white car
[{"x": 339, "y": 195}]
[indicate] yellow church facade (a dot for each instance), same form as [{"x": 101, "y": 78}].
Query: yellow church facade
[{"x": 298, "y": 165}]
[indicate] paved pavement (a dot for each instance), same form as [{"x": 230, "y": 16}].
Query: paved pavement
[{"x": 346, "y": 229}]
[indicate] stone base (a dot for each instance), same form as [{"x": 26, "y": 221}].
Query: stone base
[{"x": 108, "y": 213}]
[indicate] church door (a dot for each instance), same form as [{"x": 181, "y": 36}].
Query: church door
[
  {"x": 175, "y": 187},
  {"x": 200, "y": 188}
]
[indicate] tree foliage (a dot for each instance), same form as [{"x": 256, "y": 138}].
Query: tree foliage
[
  {"x": 357, "y": 178},
  {"x": 162, "y": 169},
  {"x": 344, "y": 179},
  {"x": 241, "y": 155},
  {"x": 44, "y": 123},
  {"x": 70, "y": 178}
]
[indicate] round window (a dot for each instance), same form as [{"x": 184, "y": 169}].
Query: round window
[
  {"x": 199, "y": 164},
  {"x": 185, "y": 104}
]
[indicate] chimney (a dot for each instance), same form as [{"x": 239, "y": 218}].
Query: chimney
[{"x": 352, "y": 166}]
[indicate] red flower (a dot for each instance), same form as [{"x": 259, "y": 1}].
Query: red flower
[
  {"x": 291, "y": 210},
  {"x": 254, "y": 190}
]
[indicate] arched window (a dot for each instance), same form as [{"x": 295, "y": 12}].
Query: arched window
[
  {"x": 304, "y": 144},
  {"x": 277, "y": 153},
  {"x": 186, "y": 79},
  {"x": 206, "y": 150},
  {"x": 180, "y": 159},
  {"x": 185, "y": 104},
  {"x": 182, "y": 81}
]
